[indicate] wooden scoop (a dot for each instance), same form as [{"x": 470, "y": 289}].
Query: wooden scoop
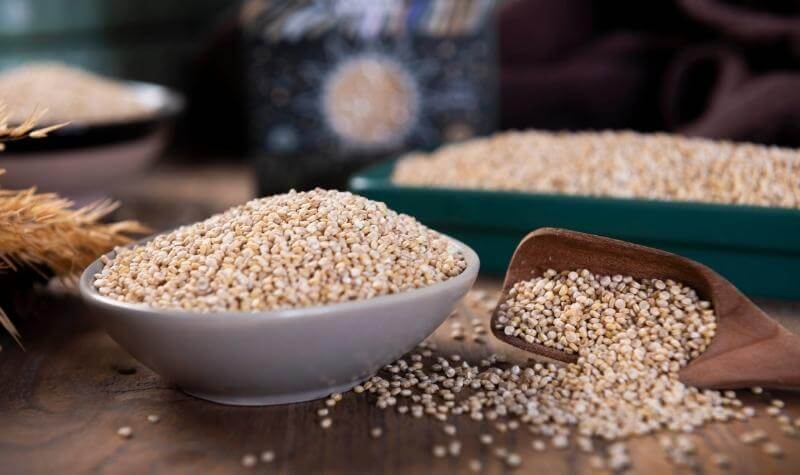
[{"x": 749, "y": 348}]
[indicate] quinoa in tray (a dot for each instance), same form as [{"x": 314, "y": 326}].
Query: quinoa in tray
[{"x": 613, "y": 164}]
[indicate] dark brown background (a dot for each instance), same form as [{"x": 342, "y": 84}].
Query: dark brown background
[{"x": 713, "y": 68}]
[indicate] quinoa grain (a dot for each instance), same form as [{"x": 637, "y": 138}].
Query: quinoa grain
[
  {"x": 475, "y": 465},
  {"x": 249, "y": 460},
  {"x": 721, "y": 460},
  {"x": 773, "y": 449},
  {"x": 454, "y": 448},
  {"x": 513, "y": 460}
]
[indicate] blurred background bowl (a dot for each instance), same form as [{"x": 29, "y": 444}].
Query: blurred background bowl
[{"x": 83, "y": 162}]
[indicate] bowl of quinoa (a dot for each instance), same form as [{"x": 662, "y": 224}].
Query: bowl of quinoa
[{"x": 282, "y": 299}]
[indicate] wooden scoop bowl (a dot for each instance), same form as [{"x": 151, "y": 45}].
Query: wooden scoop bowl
[{"x": 749, "y": 348}]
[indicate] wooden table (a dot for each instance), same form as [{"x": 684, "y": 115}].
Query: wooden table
[{"x": 63, "y": 399}]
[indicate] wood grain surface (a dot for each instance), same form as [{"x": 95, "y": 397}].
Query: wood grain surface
[{"x": 64, "y": 397}]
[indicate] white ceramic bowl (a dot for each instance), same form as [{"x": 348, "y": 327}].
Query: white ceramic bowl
[{"x": 280, "y": 356}]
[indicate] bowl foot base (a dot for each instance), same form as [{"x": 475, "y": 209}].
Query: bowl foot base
[{"x": 270, "y": 399}]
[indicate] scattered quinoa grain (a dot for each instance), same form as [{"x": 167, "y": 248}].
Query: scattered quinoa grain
[
  {"x": 249, "y": 460},
  {"x": 685, "y": 444},
  {"x": 513, "y": 460},
  {"x": 585, "y": 444},
  {"x": 475, "y": 465},
  {"x": 153, "y": 419},
  {"x": 772, "y": 449},
  {"x": 753, "y": 436},
  {"x": 454, "y": 448},
  {"x": 790, "y": 431},
  {"x": 560, "y": 442},
  {"x": 597, "y": 462},
  {"x": 721, "y": 460},
  {"x": 326, "y": 423},
  {"x": 268, "y": 456},
  {"x": 618, "y": 459},
  {"x": 125, "y": 432}
]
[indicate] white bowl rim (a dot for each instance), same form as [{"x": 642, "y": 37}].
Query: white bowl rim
[{"x": 90, "y": 294}]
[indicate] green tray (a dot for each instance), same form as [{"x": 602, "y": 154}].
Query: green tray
[{"x": 756, "y": 248}]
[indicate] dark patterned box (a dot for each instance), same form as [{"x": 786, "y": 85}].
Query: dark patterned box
[{"x": 334, "y": 85}]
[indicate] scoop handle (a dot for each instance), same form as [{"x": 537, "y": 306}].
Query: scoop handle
[{"x": 772, "y": 361}]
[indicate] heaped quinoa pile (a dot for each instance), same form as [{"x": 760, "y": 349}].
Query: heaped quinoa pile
[
  {"x": 614, "y": 164},
  {"x": 284, "y": 251}
]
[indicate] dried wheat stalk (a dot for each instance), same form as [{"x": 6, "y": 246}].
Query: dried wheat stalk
[
  {"x": 41, "y": 231},
  {"x": 26, "y": 129}
]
